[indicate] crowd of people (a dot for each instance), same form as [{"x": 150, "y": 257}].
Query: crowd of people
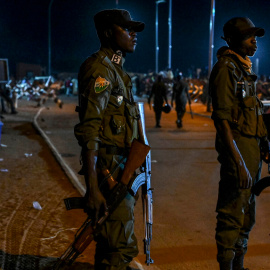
[{"x": 38, "y": 89}]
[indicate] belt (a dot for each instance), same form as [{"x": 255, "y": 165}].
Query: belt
[{"x": 115, "y": 150}]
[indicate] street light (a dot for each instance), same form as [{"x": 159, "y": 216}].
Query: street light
[
  {"x": 49, "y": 38},
  {"x": 157, "y": 47}
]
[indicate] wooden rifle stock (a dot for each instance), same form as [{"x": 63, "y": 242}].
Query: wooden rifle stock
[{"x": 136, "y": 157}]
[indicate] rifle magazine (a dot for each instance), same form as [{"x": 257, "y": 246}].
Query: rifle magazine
[
  {"x": 261, "y": 185},
  {"x": 74, "y": 203},
  {"x": 137, "y": 182}
]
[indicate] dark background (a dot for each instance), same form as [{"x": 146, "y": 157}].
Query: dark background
[{"x": 24, "y": 32}]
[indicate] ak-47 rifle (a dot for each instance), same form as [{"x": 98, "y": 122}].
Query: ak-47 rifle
[
  {"x": 144, "y": 180},
  {"x": 85, "y": 235}
]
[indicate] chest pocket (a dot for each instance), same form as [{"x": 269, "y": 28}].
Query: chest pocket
[
  {"x": 251, "y": 120},
  {"x": 244, "y": 110},
  {"x": 249, "y": 126},
  {"x": 114, "y": 121},
  {"x": 261, "y": 130},
  {"x": 132, "y": 116}
]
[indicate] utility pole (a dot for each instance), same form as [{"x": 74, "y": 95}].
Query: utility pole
[
  {"x": 157, "y": 47},
  {"x": 211, "y": 37},
  {"x": 49, "y": 38},
  {"x": 170, "y": 36}
]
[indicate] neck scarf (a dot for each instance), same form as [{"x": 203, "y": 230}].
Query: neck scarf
[{"x": 247, "y": 64}]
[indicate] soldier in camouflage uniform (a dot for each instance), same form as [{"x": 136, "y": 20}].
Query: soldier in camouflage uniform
[
  {"x": 108, "y": 125},
  {"x": 241, "y": 140}
]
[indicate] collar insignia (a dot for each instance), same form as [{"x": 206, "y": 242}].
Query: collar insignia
[
  {"x": 116, "y": 58},
  {"x": 101, "y": 84}
]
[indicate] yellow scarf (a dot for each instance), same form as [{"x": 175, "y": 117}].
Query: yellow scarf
[{"x": 247, "y": 64}]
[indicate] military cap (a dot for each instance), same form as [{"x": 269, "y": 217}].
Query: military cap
[
  {"x": 120, "y": 17},
  {"x": 241, "y": 27}
]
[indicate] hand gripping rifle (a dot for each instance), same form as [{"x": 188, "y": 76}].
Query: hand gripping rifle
[
  {"x": 144, "y": 180},
  {"x": 85, "y": 235}
]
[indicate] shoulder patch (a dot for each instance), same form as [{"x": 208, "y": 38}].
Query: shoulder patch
[{"x": 101, "y": 84}]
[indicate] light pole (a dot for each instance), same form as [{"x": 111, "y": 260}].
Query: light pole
[
  {"x": 170, "y": 36},
  {"x": 49, "y": 38},
  {"x": 157, "y": 47},
  {"x": 211, "y": 37}
]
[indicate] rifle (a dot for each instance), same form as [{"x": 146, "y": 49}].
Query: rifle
[
  {"x": 144, "y": 180},
  {"x": 261, "y": 185},
  {"x": 86, "y": 233}
]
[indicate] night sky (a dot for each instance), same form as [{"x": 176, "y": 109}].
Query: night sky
[{"x": 24, "y": 32}]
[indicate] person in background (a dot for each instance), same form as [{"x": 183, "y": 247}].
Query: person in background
[
  {"x": 68, "y": 85},
  {"x": 181, "y": 96},
  {"x": 159, "y": 91},
  {"x": 5, "y": 97}
]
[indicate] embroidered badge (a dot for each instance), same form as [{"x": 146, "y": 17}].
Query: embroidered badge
[
  {"x": 116, "y": 58},
  {"x": 101, "y": 84}
]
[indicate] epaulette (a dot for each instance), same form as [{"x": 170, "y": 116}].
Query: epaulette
[
  {"x": 106, "y": 61},
  {"x": 233, "y": 63}
]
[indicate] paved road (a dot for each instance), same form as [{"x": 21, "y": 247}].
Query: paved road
[{"x": 185, "y": 177}]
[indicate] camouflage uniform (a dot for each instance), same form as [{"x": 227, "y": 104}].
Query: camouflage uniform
[
  {"x": 234, "y": 99},
  {"x": 108, "y": 123}
]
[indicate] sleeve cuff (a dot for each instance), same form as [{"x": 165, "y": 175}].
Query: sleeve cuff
[
  {"x": 222, "y": 115},
  {"x": 92, "y": 145}
]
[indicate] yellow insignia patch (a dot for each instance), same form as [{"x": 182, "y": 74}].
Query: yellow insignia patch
[{"x": 101, "y": 84}]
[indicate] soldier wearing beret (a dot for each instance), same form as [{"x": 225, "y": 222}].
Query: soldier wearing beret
[
  {"x": 241, "y": 140},
  {"x": 107, "y": 127}
]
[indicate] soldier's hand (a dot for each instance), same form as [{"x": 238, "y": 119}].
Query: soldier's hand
[
  {"x": 245, "y": 179},
  {"x": 96, "y": 202}
]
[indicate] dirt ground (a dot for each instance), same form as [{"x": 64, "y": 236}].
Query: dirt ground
[{"x": 32, "y": 238}]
